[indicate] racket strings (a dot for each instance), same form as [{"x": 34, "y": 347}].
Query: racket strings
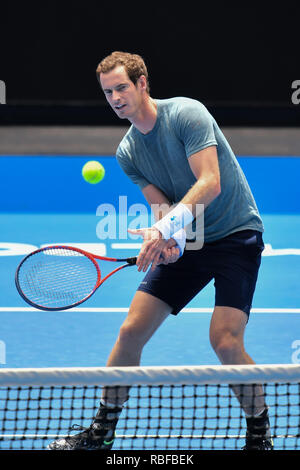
[{"x": 57, "y": 277}]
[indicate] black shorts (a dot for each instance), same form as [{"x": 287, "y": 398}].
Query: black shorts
[{"x": 233, "y": 262}]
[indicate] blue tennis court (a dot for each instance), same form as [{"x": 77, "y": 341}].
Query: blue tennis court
[{"x": 63, "y": 209}]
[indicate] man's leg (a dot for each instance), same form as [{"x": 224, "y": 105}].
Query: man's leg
[
  {"x": 227, "y": 338},
  {"x": 145, "y": 315}
]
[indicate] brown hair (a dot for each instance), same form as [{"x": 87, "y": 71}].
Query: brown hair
[{"x": 133, "y": 63}]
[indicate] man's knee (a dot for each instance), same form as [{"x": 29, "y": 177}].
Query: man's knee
[
  {"x": 227, "y": 346},
  {"x": 146, "y": 314},
  {"x": 227, "y": 333},
  {"x": 130, "y": 335}
]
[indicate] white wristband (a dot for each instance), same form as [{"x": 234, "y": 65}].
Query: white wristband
[
  {"x": 180, "y": 239},
  {"x": 175, "y": 220}
]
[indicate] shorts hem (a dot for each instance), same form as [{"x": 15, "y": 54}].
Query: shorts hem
[
  {"x": 246, "y": 309},
  {"x": 174, "y": 311}
]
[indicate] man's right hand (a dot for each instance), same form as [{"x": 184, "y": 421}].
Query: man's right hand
[{"x": 170, "y": 253}]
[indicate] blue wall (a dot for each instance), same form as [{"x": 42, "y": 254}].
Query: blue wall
[{"x": 34, "y": 184}]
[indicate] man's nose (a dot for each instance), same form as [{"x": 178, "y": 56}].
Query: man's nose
[{"x": 115, "y": 96}]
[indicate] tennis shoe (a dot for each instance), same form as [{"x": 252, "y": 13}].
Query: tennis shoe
[
  {"x": 91, "y": 438},
  {"x": 258, "y": 435},
  {"x": 258, "y": 443},
  {"x": 99, "y": 436}
]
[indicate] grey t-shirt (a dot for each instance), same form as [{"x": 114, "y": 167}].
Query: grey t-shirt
[{"x": 183, "y": 127}]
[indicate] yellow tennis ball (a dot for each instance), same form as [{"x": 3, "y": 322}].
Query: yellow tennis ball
[{"x": 93, "y": 172}]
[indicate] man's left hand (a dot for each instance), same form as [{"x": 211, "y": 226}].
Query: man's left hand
[{"x": 155, "y": 249}]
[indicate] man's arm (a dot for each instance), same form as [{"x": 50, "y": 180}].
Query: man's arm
[
  {"x": 157, "y": 200},
  {"x": 205, "y": 167},
  {"x": 160, "y": 205}
]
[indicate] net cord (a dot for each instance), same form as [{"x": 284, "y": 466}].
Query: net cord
[{"x": 154, "y": 375}]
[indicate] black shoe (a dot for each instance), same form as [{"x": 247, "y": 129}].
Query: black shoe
[
  {"x": 99, "y": 436},
  {"x": 89, "y": 439},
  {"x": 258, "y": 433},
  {"x": 258, "y": 443}
]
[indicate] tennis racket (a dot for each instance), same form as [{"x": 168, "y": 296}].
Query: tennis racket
[{"x": 61, "y": 277}]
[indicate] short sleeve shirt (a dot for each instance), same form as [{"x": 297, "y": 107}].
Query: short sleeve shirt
[{"x": 184, "y": 127}]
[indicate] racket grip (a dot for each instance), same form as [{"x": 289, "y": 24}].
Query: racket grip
[{"x": 132, "y": 260}]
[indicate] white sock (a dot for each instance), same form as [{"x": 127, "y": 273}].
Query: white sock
[{"x": 109, "y": 405}]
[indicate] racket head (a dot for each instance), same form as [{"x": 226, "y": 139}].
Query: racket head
[{"x": 57, "y": 277}]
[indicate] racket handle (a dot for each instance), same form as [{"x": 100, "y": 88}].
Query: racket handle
[{"x": 132, "y": 260}]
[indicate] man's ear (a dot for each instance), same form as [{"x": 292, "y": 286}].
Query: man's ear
[{"x": 142, "y": 81}]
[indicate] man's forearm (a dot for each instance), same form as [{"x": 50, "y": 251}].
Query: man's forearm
[
  {"x": 204, "y": 191},
  {"x": 160, "y": 210}
]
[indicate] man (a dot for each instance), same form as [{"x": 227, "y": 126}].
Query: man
[{"x": 176, "y": 153}]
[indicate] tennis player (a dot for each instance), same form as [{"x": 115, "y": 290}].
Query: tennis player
[{"x": 177, "y": 155}]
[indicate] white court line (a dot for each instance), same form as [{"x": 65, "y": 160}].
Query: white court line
[
  {"x": 268, "y": 251},
  {"x": 125, "y": 309}
]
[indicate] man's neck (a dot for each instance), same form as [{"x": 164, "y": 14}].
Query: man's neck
[{"x": 145, "y": 120}]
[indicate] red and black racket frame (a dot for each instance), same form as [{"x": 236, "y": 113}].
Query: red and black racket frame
[{"x": 131, "y": 261}]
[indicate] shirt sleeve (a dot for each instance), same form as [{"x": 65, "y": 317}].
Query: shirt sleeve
[
  {"x": 130, "y": 170},
  {"x": 196, "y": 127}
]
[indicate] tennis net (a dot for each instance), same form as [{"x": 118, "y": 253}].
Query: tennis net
[{"x": 185, "y": 407}]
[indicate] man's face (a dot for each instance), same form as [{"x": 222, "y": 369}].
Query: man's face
[{"x": 121, "y": 93}]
